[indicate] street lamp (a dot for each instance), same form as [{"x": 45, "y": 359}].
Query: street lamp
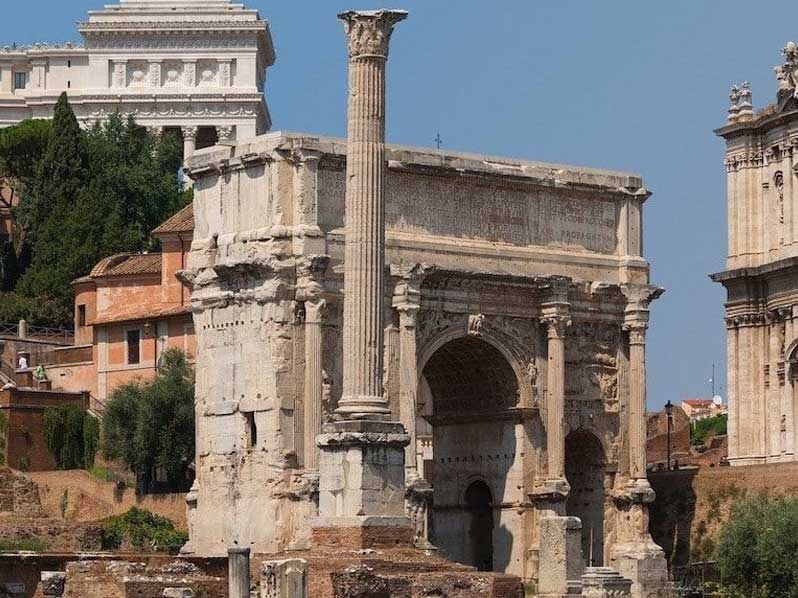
[{"x": 669, "y": 415}]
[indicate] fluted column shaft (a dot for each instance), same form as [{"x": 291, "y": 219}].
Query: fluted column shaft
[
  {"x": 364, "y": 274},
  {"x": 637, "y": 401},
  {"x": 555, "y": 399},
  {"x": 314, "y": 313}
]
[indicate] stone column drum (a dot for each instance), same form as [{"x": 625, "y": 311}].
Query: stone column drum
[
  {"x": 369, "y": 35},
  {"x": 556, "y": 486},
  {"x": 637, "y": 403},
  {"x": 361, "y": 470},
  {"x": 314, "y": 312}
]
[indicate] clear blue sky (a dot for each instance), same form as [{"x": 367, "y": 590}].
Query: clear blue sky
[{"x": 625, "y": 84}]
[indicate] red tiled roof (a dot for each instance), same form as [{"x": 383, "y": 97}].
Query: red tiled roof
[
  {"x": 698, "y": 402},
  {"x": 143, "y": 313},
  {"x": 126, "y": 264},
  {"x": 182, "y": 222}
]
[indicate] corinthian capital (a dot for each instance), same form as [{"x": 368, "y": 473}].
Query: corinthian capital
[
  {"x": 369, "y": 32},
  {"x": 637, "y": 332},
  {"x": 556, "y": 325}
]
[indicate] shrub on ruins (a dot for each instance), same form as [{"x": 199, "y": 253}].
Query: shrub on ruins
[
  {"x": 72, "y": 436},
  {"x": 96, "y": 192},
  {"x": 142, "y": 530},
  {"x": 705, "y": 428},
  {"x": 757, "y": 547},
  {"x": 149, "y": 425}
]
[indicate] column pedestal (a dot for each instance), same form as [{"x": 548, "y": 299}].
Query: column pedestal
[{"x": 362, "y": 486}]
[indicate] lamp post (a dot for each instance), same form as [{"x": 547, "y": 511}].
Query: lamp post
[{"x": 669, "y": 415}]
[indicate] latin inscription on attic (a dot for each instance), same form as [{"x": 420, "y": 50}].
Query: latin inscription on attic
[{"x": 523, "y": 218}]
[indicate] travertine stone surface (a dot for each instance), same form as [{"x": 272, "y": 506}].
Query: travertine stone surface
[
  {"x": 561, "y": 563},
  {"x": 283, "y": 579},
  {"x": 238, "y": 572},
  {"x": 761, "y": 267},
  {"x": 556, "y": 321},
  {"x": 603, "y": 582}
]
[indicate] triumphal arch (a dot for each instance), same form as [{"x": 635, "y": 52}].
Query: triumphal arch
[{"x": 515, "y": 301}]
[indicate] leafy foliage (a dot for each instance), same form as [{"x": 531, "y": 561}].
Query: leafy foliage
[
  {"x": 705, "y": 428},
  {"x": 72, "y": 436},
  {"x": 37, "y": 311},
  {"x": 93, "y": 193},
  {"x": 150, "y": 425},
  {"x": 756, "y": 549},
  {"x": 143, "y": 530}
]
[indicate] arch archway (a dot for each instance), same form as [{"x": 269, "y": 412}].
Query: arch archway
[
  {"x": 467, "y": 388},
  {"x": 585, "y": 469}
]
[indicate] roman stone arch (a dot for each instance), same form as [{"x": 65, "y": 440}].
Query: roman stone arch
[
  {"x": 586, "y": 471},
  {"x": 469, "y": 390}
]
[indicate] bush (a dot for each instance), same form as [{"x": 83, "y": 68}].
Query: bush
[
  {"x": 757, "y": 547},
  {"x": 712, "y": 426},
  {"x": 72, "y": 436},
  {"x": 144, "y": 530},
  {"x": 34, "y": 544}
]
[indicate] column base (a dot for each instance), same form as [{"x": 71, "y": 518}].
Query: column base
[
  {"x": 644, "y": 563},
  {"x": 363, "y": 408},
  {"x": 362, "y": 486}
]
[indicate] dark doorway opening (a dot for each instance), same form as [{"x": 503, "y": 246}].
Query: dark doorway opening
[
  {"x": 585, "y": 468},
  {"x": 479, "y": 503}
]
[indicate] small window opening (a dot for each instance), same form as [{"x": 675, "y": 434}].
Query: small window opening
[
  {"x": 133, "y": 347},
  {"x": 81, "y": 315},
  {"x": 252, "y": 430},
  {"x": 69, "y": 84},
  {"x": 69, "y": 64}
]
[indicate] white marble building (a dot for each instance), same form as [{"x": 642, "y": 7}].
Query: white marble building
[{"x": 194, "y": 65}]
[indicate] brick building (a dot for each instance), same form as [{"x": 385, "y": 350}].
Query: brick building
[
  {"x": 26, "y": 446},
  {"x": 128, "y": 311}
]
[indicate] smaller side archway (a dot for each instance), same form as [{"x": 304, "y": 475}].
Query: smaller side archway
[
  {"x": 478, "y": 500},
  {"x": 585, "y": 469}
]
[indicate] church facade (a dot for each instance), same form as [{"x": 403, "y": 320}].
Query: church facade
[
  {"x": 193, "y": 66},
  {"x": 762, "y": 270},
  {"x": 516, "y": 306}
]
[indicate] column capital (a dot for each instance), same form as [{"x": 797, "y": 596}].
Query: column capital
[
  {"x": 407, "y": 291},
  {"x": 315, "y": 310},
  {"x": 369, "y": 32},
  {"x": 225, "y": 134},
  {"x": 637, "y": 331},
  {"x": 556, "y": 325},
  {"x": 309, "y": 284},
  {"x": 189, "y": 132}
]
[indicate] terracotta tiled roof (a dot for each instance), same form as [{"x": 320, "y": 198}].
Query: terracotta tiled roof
[
  {"x": 698, "y": 402},
  {"x": 126, "y": 264},
  {"x": 143, "y": 312},
  {"x": 182, "y": 222}
]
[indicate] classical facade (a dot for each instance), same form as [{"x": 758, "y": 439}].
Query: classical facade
[
  {"x": 197, "y": 66},
  {"x": 761, "y": 276},
  {"x": 515, "y": 301}
]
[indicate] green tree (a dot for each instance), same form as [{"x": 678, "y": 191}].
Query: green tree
[
  {"x": 150, "y": 425},
  {"x": 72, "y": 436},
  {"x": 21, "y": 149},
  {"x": 96, "y": 193},
  {"x": 711, "y": 426},
  {"x": 757, "y": 547}
]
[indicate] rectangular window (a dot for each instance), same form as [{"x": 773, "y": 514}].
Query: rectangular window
[
  {"x": 133, "y": 347},
  {"x": 20, "y": 79},
  {"x": 81, "y": 315}
]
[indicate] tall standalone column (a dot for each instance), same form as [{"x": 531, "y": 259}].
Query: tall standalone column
[
  {"x": 362, "y": 457},
  {"x": 369, "y": 35}
]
